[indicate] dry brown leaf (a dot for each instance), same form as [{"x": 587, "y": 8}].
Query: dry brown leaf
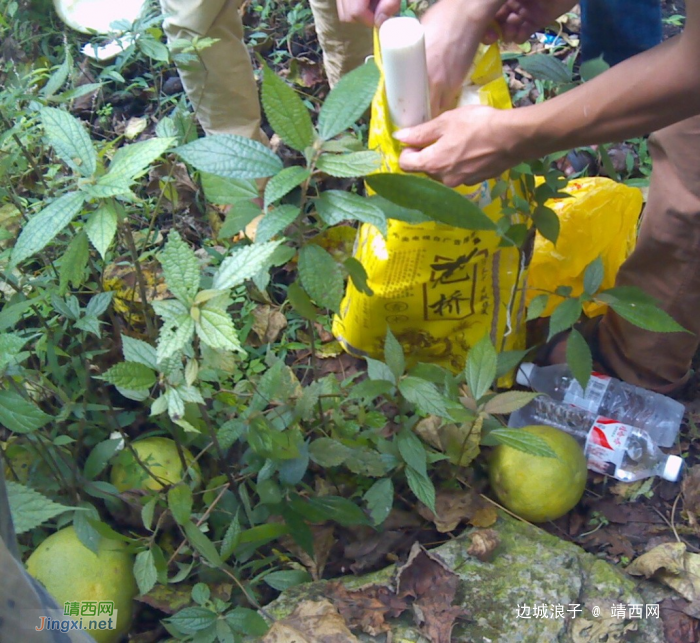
[
  {"x": 324, "y": 539},
  {"x": 484, "y": 517},
  {"x": 459, "y": 441},
  {"x": 311, "y": 622},
  {"x": 368, "y": 552},
  {"x": 268, "y": 323},
  {"x": 671, "y": 565},
  {"x": 454, "y": 506},
  {"x": 483, "y": 545},
  {"x": 605, "y": 628},
  {"x": 690, "y": 488}
]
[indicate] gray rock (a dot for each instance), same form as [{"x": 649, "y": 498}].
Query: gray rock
[{"x": 528, "y": 568}]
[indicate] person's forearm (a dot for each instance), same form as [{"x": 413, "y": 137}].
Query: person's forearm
[{"x": 643, "y": 94}]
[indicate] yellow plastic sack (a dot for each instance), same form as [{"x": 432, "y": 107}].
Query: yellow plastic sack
[
  {"x": 440, "y": 289},
  {"x": 599, "y": 220}
]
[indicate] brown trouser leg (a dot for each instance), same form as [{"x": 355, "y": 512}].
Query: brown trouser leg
[{"x": 665, "y": 264}]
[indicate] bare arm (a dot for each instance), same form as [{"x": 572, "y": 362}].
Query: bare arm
[{"x": 645, "y": 93}]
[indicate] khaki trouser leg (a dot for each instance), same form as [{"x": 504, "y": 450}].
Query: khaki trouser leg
[
  {"x": 665, "y": 264},
  {"x": 345, "y": 46},
  {"x": 221, "y": 85}
]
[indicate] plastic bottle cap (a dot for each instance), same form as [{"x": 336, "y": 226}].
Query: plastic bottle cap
[
  {"x": 524, "y": 373},
  {"x": 673, "y": 467}
]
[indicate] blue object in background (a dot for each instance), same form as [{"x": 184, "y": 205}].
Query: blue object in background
[{"x": 619, "y": 29}]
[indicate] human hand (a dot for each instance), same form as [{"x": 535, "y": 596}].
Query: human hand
[
  {"x": 466, "y": 145},
  {"x": 368, "y": 12},
  {"x": 517, "y": 20}
]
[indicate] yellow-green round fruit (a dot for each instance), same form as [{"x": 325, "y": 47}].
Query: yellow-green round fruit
[
  {"x": 538, "y": 488},
  {"x": 161, "y": 457},
  {"x": 71, "y": 572}
]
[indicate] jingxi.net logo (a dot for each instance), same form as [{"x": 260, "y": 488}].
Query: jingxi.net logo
[{"x": 80, "y": 615}]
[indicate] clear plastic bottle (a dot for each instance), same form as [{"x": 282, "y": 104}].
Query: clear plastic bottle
[
  {"x": 611, "y": 447},
  {"x": 658, "y": 415}
]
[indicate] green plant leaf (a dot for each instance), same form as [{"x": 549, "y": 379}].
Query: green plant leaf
[
  {"x": 545, "y": 67},
  {"x": 73, "y": 263},
  {"x": 180, "y": 503},
  {"x": 130, "y": 375},
  {"x": 424, "y": 395},
  {"x": 60, "y": 76},
  {"x": 593, "y": 276},
  {"x": 202, "y": 544},
  {"x": 579, "y": 358},
  {"x": 433, "y": 199},
  {"x": 230, "y": 156},
  {"x": 193, "y": 619},
  {"x": 287, "y": 578},
  {"x": 174, "y": 334},
  {"x": 101, "y": 227},
  {"x": 84, "y": 529},
  {"x": 70, "y": 140},
  {"x": 247, "y": 621},
  {"x": 19, "y": 414},
  {"x": 358, "y": 275},
  {"x": 351, "y": 165},
  {"x": 285, "y": 111},
  {"x": 328, "y": 452},
  {"x": 412, "y": 451},
  {"x": 369, "y": 390},
  {"x": 181, "y": 268},
  {"x": 243, "y": 264},
  {"x": 380, "y": 500},
  {"x": 99, "y": 457},
  {"x": 393, "y": 354},
  {"x": 222, "y": 191},
  {"x": 547, "y": 222},
  {"x": 43, "y": 227},
  {"x": 133, "y": 161},
  {"x": 508, "y": 360},
  {"x": 509, "y": 401},
  {"x": 537, "y": 307},
  {"x": 283, "y": 183},
  {"x": 593, "y": 67},
  {"x": 335, "y": 206},
  {"x": 29, "y": 508},
  {"x": 275, "y": 221},
  {"x": 422, "y": 487},
  {"x": 301, "y": 302},
  {"x": 565, "y": 315},
  {"x": 321, "y": 277},
  {"x": 348, "y": 100},
  {"x": 523, "y": 441},
  {"x": 641, "y": 311},
  {"x": 215, "y": 328},
  {"x": 379, "y": 371},
  {"x": 341, "y": 510},
  {"x": 271, "y": 443},
  {"x": 145, "y": 571},
  {"x": 136, "y": 350},
  {"x": 238, "y": 217},
  {"x": 230, "y": 541},
  {"x": 482, "y": 365}
]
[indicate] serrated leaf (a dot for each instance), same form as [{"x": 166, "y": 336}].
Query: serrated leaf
[
  {"x": 509, "y": 401},
  {"x": 358, "y": 275},
  {"x": 271, "y": 443},
  {"x": 283, "y": 183},
  {"x": 174, "y": 335},
  {"x": 328, "y": 452},
  {"x": 393, "y": 354},
  {"x": 368, "y": 390},
  {"x": 132, "y": 161},
  {"x": 379, "y": 371},
  {"x": 301, "y": 302},
  {"x": 180, "y": 503},
  {"x": 230, "y": 156},
  {"x": 202, "y": 544},
  {"x": 523, "y": 441},
  {"x": 69, "y": 139},
  {"x": 238, "y": 218},
  {"x": 243, "y": 264},
  {"x": 59, "y": 77},
  {"x": 73, "y": 263},
  {"x": 482, "y": 365},
  {"x": 275, "y": 221},
  {"x": 145, "y": 571},
  {"x": 193, "y": 619},
  {"x": 593, "y": 276},
  {"x": 545, "y": 67},
  {"x": 537, "y": 307},
  {"x": 247, "y": 621},
  {"x": 565, "y": 315},
  {"x": 99, "y": 304},
  {"x": 19, "y": 414},
  {"x": 547, "y": 223},
  {"x": 412, "y": 451},
  {"x": 433, "y": 199},
  {"x": 180, "y": 268},
  {"x": 223, "y": 191},
  {"x": 29, "y": 508},
  {"x": 354, "y": 164},
  {"x": 230, "y": 541},
  {"x": 348, "y": 100},
  {"x": 321, "y": 277},
  {"x": 101, "y": 227},
  {"x": 508, "y": 360},
  {"x": 136, "y": 350},
  {"x": 43, "y": 227},
  {"x": 424, "y": 395},
  {"x": 287, "y": 578},
  {"x": 579, "y": 358},
  {"x": 422, "y": 487},
  {"x": 380, "y": 499},
  {"x": 215, "y": 328},
  {"x": 285, "y": 112},
  {"x": 153, "y": 48},
  {"x": 645, "y": 315},
  {"x": 335, "y": 206},
  {"x": 130, "y": 375}
]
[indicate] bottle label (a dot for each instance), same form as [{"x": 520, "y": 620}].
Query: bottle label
[
  {"x": 592, "y": 398},
  {"x": 606, "y": 445}
]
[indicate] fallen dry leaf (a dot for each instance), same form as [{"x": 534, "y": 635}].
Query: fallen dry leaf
[
  {"x": 484, "y": 543},
  {"x": 604, "y": 628},
  {"x": 671, "y": 565},
  {"x": 324, "y": 539},
  {"x": 311, "y": 622},
  {"x": 268, "y": 324},
  {"x": 678, "y": 627},
  {"x": 690, "y": 488},
  {"x": 460, "y": 442},
  {"x": 454, "y": 506},
  {"x": 369, "y": 552},
  {"x": 367, "y": 608},
  {"x": 484, "y": 517}
]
